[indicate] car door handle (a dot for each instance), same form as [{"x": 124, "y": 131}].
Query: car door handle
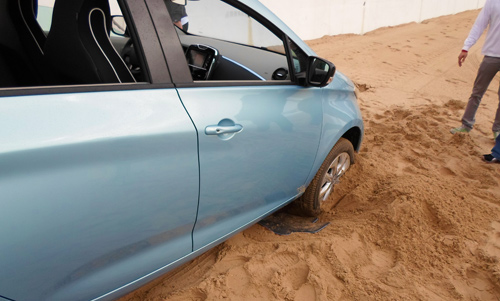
[{"x": 223, "y": 129}]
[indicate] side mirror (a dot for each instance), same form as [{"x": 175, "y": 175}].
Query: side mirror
[
  {"x": 180, "y": 2},
  {"x": 118, "y": 26},
  {"x": 319, "y": 72}
]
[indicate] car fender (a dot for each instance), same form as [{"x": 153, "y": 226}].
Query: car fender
[{"x": 341, "y": 118}]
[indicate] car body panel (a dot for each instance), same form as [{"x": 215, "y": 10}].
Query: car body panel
[
  {"x": 340, "y": 114},
  {"x": 281, "y": 128},
  {"x": 111, "y": 175}
]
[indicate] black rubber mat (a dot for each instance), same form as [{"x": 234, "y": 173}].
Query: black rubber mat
[{"x": 284, "y": 224}]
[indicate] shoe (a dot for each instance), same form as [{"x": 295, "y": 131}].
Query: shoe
[
  {"x": 495, "y": 135},
  {"x": 460, "y": 129},
  {"x": 490, "y": 159}
]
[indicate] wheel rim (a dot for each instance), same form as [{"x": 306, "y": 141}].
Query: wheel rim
[{"x": 331, "y": 177}]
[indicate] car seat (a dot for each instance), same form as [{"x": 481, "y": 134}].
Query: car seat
[
  {"x": 21, "y": 44},
  {"x": 78, "y": 47},
  {"x": 29, "y": 9}
]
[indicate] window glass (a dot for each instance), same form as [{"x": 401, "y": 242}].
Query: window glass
[
  {"x": 299, "y": 58},
  {"x": 45, "y": 7},
  {"x": 222, "y": 42},
  {"x": 44, "y": 16},
  {"x": 216, "y": 19}
]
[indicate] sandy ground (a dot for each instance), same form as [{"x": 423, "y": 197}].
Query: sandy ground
[{"x": 418, "y": 216}]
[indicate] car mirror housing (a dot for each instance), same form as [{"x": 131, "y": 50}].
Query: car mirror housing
[{"x": 320, "y": 72}]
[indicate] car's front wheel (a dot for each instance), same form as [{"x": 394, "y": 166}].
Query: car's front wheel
[{"x": 335, "y": 165}]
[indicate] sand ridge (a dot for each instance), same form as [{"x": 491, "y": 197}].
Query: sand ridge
[{"x": 416, "y": 218}]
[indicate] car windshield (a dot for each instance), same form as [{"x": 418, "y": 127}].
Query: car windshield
[{"x": 217, "y": 19}]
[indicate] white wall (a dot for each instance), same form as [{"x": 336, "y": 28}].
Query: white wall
[{"x": 312, "y": 19}]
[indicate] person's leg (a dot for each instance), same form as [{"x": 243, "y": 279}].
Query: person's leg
[
  {"x": 496, "y": 122},
  {"x": 495, "y": 152},
  {"x": 487, "y": 71}
]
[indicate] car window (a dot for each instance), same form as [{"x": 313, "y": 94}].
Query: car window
[
  {"x": 44, "y": 14},
  {"x": 45, "y": 8},
  {"x": 50, "y": 47},
  {"x": 222, "y": 42},
  {"x": 298, "y": 56}
]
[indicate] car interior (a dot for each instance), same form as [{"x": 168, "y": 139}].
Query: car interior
[
  {"x": 21, "y": 44},
  {"x": 213, "y": 59},
  {"x": 80, "y": 51},
  {"x": 74, "y": 51}
]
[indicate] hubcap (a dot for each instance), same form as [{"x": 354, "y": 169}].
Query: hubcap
[{"x": 336, "y": 169}]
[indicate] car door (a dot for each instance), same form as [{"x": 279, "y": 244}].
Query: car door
[
  {"x": 257, "y": 170},
  {"x": 258, "y": 130},
  {"x": 98, "y": 182}
]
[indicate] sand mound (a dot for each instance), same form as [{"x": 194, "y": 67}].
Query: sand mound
[{"x": 416, "y": 218}]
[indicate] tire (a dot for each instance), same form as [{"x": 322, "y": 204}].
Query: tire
[{"x": 335, "y": 165}]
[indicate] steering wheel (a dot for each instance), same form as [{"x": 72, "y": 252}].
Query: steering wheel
[{"x": 129, "y": 56}]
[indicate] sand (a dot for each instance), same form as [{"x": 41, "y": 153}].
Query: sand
[{"x": 416, "y": 218}]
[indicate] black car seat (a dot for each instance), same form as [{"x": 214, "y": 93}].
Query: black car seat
[
  {"x": 21, "y": 44},
  {"x": 29, "y": 9},
  {"x": 78, "y": 47}
]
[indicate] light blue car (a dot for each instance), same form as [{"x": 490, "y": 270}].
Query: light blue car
[{"x": 125, "y": 155}]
